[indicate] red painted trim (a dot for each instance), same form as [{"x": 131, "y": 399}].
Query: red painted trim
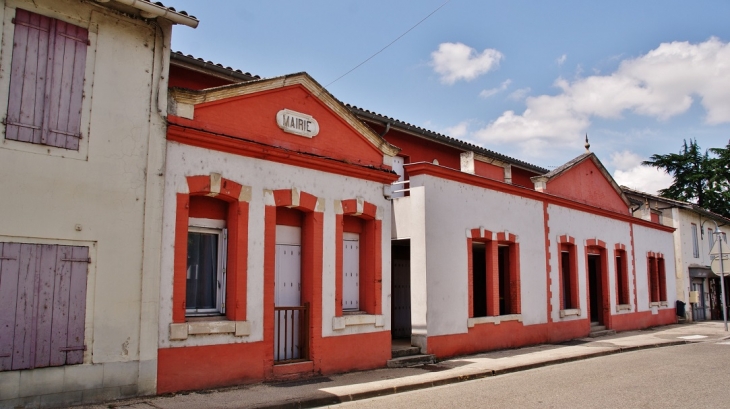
[
  {"x": 269, "y": 278},
  {"x": 339, "y": 259},
  {"x": 633, "y": 263},
  {"x": 548, "y": 268},
  {"x": 470, "y": 274},
  {"x": 423, "y": 168},
  {"x": 371, "y": 255},
  {"x": 238, "y": 146},
  {"x": 180, "y": 264},
  {"x": 237, "y": 225},
  {"x": 508, "y": 334}
]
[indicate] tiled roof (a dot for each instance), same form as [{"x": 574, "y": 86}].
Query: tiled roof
[
  {"x": 676, "y": 203},
  {"x": 172, "y": 9},
  {"x": 244, "y": 76},
  {"x": 562, "y": 168},
  {"x": 459, "y": 144}
]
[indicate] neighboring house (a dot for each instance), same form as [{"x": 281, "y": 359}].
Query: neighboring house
[
  {"x": 486, "y": 251},
  {"x": 83, "y": 98},
  {"x": 697, "y": 286}
]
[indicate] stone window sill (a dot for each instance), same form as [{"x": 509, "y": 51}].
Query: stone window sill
[
  {"x": 569, "y": 312},
  {"x": 206, "y": 327},
  {"x": 658, "y": 304},
  {"x": 353, "y": 318},
  {"x": 471, "y": 322},
  {"x": 623, "y": 307}
]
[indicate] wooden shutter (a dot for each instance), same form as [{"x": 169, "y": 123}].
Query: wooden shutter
[
  {"x": 46, "y": 81},
  {"x": 42, "y": 305},
  {"x": 28, "y": 77},
  {"x": 66, "y": 86}
]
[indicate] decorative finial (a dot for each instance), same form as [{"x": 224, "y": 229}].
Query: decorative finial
[{"x": 587, "y": 145}]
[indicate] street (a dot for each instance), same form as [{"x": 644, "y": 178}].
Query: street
[{"x": 694, "y": 375}]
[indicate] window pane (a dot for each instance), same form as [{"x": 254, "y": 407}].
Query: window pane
[{"x": 202, "y": 273}]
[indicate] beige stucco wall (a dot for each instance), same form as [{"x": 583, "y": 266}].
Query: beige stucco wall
[{"x": 108, "y": 196}]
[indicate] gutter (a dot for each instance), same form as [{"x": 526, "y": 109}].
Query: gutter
[{"x": 152, "y": 10}]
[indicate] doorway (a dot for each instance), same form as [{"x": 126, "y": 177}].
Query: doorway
[
  {"x": 401, "y": 289},
  {"x": 288, "y": 310},
  {"x": 595, "y": 290}
]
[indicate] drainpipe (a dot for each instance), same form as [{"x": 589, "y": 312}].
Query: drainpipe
[
  {"x": 151, "y": 10},
  {"x": 385, "y": 131}
]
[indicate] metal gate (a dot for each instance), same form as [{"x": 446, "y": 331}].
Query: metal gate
[{"x": 698, "y": 309}]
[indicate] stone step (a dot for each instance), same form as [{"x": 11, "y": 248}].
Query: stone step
[
  {"x": 412, "y": 360},
  {"x": 409, "y": 351},
  {"x": 595, "y": 324},
  {"x": 598, "y": 328},
  {"x": 601, "y": 333}
]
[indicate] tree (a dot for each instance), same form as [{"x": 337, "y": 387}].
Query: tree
[{"x": 698, "y": 177}]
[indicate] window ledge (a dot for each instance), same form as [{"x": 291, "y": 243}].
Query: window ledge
[
  {"x": 658, "y": 304},
  {"x": 353, "y": 318},
  {"x": 623, "y": 307},
  {"x": 183, "y": 330},
  {"x": 569, "y": 312},
  {"x": 471, "y": 322}
]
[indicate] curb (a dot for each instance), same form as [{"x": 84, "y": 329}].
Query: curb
[{"x": 333, "y": 400}]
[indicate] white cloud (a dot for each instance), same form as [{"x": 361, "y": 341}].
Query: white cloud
[
  {"x": 519, "y": 94},
  {"x": 489, "y": 92},
  {"x": 458, "y": 131},
  {"x": 457, "y": 61},
  {"x": 631, "y": 173},
  {"x": 561, "y": 60},
  {"x": 661, "y": 84}
]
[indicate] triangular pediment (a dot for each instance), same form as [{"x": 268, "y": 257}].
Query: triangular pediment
[
  {"x": 292, "y": 112},
  {"x": 585, "y": 180}
]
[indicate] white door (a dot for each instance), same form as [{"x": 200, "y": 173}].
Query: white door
[
  {"x": 288, "y": 292},
  {"x": 351, "y": 272}
]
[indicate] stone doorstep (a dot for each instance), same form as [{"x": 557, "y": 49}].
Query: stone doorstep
[
  {"x": 400, "y": 352},
  {"x": 601, "y": 333},
  {"x": 412, "y": 360}
]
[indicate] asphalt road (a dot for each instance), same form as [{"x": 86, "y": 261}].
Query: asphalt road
[{"x": 686, "y": 376}]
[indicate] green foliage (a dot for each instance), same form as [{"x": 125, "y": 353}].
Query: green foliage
[{"x": 699, "y": 177}]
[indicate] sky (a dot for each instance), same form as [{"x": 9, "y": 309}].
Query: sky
[{"x": 528, "y": 79}]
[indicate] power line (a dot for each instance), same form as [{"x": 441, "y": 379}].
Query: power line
[{"x": 389, "y": 44}]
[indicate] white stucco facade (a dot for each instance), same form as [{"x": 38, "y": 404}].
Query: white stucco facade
[{"x": 262, "y": 176}]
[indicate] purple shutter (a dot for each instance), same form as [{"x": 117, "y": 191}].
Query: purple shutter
[
  {"x": 25, "y": 313},
  {"x": 9, "y": 268},
  {"x": 28, "y": 77},
  {"x": 42, "y": 305},
  {"x": 66, "y": 84}
]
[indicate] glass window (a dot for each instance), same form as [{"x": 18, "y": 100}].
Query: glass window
[
  {"x": 205, "y": 271},
  {"x": 695, "y": 244}
]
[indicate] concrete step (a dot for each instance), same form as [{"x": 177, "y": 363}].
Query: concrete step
[
  {"x": 598, "y": 328},
  {"x": 601, "y": 333},
  {"x": 409, "y": 351},
  {"x": 412, "y": 360}
]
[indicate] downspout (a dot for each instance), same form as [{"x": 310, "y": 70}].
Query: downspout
[
  {"x": 386, "y": 130},
  {"x": 151, "y": 10}
]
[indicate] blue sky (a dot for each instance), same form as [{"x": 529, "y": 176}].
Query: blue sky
[{"x": 524, "y": 78}]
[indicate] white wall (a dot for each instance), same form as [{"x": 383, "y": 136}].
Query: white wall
[
  {"x": 100, "y": 196},
  {"x": 260, "y": 175},
  {"x": 451, "y": 209},
  {"x": 647, "y": 239},
  {"x": 584, "y": 226}
]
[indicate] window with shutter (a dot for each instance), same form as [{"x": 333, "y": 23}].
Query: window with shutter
[
  {"x": 42, "y": 305},
  {"x": 46, "y": 81}
]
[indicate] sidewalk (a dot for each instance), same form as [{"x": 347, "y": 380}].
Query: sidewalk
[{"x": 367, "y": 384}]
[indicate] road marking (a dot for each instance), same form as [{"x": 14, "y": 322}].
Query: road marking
[
  {"x": 693, "y": 337},
  {"x": 724, "y": 343}
]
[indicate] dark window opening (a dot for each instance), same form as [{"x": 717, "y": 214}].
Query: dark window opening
[
  {"x": 479, "y": 280},
  {"x": 505, "y": 284},
  {"x": 567, "y": 278}
]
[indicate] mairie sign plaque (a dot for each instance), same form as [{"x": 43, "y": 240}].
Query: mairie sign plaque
[{"x": 297, "y": 123}]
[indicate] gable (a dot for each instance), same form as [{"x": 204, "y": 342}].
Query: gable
[
  {"x": 252, "y": 116},
  {"x": 585, "y": 182}
]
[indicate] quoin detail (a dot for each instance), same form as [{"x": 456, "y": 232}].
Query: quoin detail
[{"x": 297, "y": 123}]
